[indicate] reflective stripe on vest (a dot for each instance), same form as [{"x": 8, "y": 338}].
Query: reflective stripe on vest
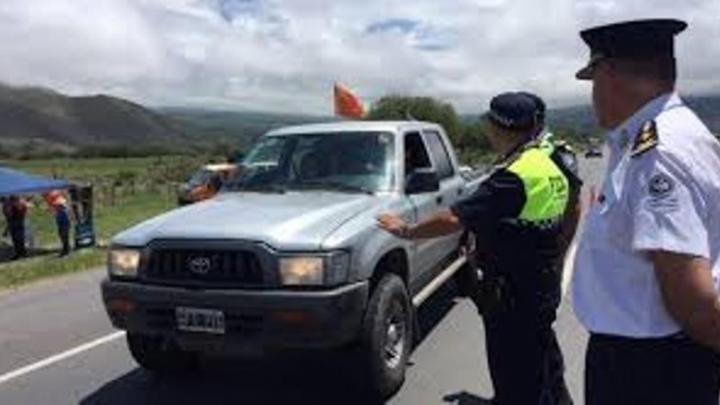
[{"x": 546, "y": 188}]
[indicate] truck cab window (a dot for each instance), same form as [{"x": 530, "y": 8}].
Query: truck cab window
[
  {"x": 440, "y": 154},
  {"x": 362, "y": 161},
  {"x": 416, "y": 156}
]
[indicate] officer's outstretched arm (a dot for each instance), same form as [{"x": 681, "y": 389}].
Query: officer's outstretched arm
[
  {"x": 442, "y": 223},
  {"x": 689, "y": 294}
]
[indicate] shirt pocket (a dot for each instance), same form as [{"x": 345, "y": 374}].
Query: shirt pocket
[{"x": 613, "y": 221}]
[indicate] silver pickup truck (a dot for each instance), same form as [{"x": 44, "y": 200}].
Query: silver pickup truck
[{"x": 289, "y": 254}]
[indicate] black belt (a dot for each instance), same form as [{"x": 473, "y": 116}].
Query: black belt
[
  {"x": 676, "y": 340},
  {"x": 602, "y": 337}
]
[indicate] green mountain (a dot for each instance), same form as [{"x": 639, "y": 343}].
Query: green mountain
[
  {"x": 239, "y": 129},
  {"x": 38, "y": 122},
  {"x": 44, "y": 119},
  {"x": 581, "y": 120}
]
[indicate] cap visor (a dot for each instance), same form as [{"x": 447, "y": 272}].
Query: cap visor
[
  {"x": 584, "y": 73},
  {"x": 488, "y": 118}
]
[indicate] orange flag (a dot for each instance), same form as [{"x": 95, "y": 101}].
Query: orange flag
[{"x": 346, "y": 103}]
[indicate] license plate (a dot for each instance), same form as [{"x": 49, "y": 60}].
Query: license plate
[{"x": 200, "y": 320}]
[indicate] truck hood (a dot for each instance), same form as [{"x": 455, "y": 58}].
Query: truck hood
[{"x": 289, "y": 221}]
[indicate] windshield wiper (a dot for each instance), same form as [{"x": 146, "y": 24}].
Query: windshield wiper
[
  {"x": 260, "y": 188},
  {"x": 334, "y": 185}
]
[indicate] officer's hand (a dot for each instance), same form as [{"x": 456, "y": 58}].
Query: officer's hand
[
  {"x": 485, "y": 299},
  {"x": 393, "y": 224}
]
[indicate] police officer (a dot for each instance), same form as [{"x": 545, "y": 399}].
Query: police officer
[
  {"x": 566, "y": 159},
  {"x": 515, "y": 214},
  {"x": 563, "y": 155},
  {"x": 645, "y": 269}
]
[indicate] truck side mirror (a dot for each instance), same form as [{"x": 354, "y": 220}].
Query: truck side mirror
[{"x": 422, "y": 181}]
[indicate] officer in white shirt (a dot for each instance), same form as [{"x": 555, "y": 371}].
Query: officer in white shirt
[{"x": 647, "y": 266}]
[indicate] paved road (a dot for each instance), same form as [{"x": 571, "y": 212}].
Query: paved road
[{"x": 42, "y": 324}]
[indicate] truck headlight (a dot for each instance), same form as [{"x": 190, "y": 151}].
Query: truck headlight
[
  {"x": 324, "y": 269},
  {"x": 123, "y": 262}
]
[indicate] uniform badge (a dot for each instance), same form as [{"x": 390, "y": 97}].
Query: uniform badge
[
  {"x": 646, "y": 140},
  {"x": 661, "y": 192},
  {"x": 661, "y": 185}
]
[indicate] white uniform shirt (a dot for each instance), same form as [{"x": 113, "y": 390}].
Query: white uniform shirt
[{"x": 667, "y": 198}]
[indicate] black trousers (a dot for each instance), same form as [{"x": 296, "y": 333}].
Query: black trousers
[
  {"x": 526, "y": 364},
  {"x": 64, "y": 233},
  {"x": 660, "y": 371},
  {"x": 17, "y": 234},
  {"x": 63, "y": 224}
]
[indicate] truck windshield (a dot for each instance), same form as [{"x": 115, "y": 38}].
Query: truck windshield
[
  {"x": 199, "y": 178},
  {"x": 340, "y": 161}
]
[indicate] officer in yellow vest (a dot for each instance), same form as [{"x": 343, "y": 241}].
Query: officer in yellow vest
[
  {"x": 566, "y": 160},
  {"x": 516, "y": 216}
]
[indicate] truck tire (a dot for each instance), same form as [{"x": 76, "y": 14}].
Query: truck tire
[
  {"x": 159, "y": 355},
  {"x": 386, "y": 336}
]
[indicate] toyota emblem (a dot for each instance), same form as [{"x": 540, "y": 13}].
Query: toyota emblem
[{"x": 199, "y": 265}]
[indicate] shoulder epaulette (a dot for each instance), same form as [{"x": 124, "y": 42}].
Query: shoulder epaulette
[{"x": 646, "y": 140}]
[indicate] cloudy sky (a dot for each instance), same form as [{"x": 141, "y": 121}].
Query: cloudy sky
[{"x": 284, "y": 55}]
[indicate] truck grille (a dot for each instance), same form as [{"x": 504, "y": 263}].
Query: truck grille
[{"x": 206, "y": 268}]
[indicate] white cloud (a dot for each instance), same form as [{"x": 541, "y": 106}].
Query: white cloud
[{"x": 283, "y": 55}]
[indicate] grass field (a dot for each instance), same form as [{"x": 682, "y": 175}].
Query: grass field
[
  {"x": 85, "y": 168},
  {"x": 127, "y": 191}
]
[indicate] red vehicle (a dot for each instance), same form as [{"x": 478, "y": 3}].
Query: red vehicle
[{"x": 205, "y": 183}]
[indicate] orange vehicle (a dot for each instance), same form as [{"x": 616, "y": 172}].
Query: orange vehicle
[{"x": 205, "y": 183}]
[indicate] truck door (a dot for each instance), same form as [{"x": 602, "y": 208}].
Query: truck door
[
  {"x": 452, "y": 188},
  {"x": 426, "y": 251}
]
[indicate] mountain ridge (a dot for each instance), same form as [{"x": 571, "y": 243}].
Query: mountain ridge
[
  {"x": 31, "y": 114},
  {"x": 36, "y": 117}
]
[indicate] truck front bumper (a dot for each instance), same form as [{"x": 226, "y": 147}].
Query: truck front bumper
[{"x": 254, "y": 319}]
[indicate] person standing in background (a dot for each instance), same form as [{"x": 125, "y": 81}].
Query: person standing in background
[
  {"x": 58, "y": 205},
  {"x": 15, "y": 211}
]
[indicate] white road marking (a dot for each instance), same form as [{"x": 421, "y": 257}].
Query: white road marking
[
  {"x": 59, "y": 357},
  {"x": 569, "y": 267}
]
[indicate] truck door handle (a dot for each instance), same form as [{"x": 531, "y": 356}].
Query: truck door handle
[
  {"x": 460, "y": 191},
  {"x": 439, "y": 200}
]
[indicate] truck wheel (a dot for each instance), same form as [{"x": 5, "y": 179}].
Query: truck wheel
[
  {"x": 386, "y": 337},
  {"x": 158, "y": 354}
]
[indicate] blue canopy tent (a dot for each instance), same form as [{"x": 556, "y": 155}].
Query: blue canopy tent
[
  {"x": 19, "y": 183},
  {"x": 14, "y": 182}
]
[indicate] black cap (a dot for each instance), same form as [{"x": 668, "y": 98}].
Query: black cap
[
  {"x": 513, "y": 111},
  {"x": 636, "y": 40},
  {"x": 539, "y": 105}
]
